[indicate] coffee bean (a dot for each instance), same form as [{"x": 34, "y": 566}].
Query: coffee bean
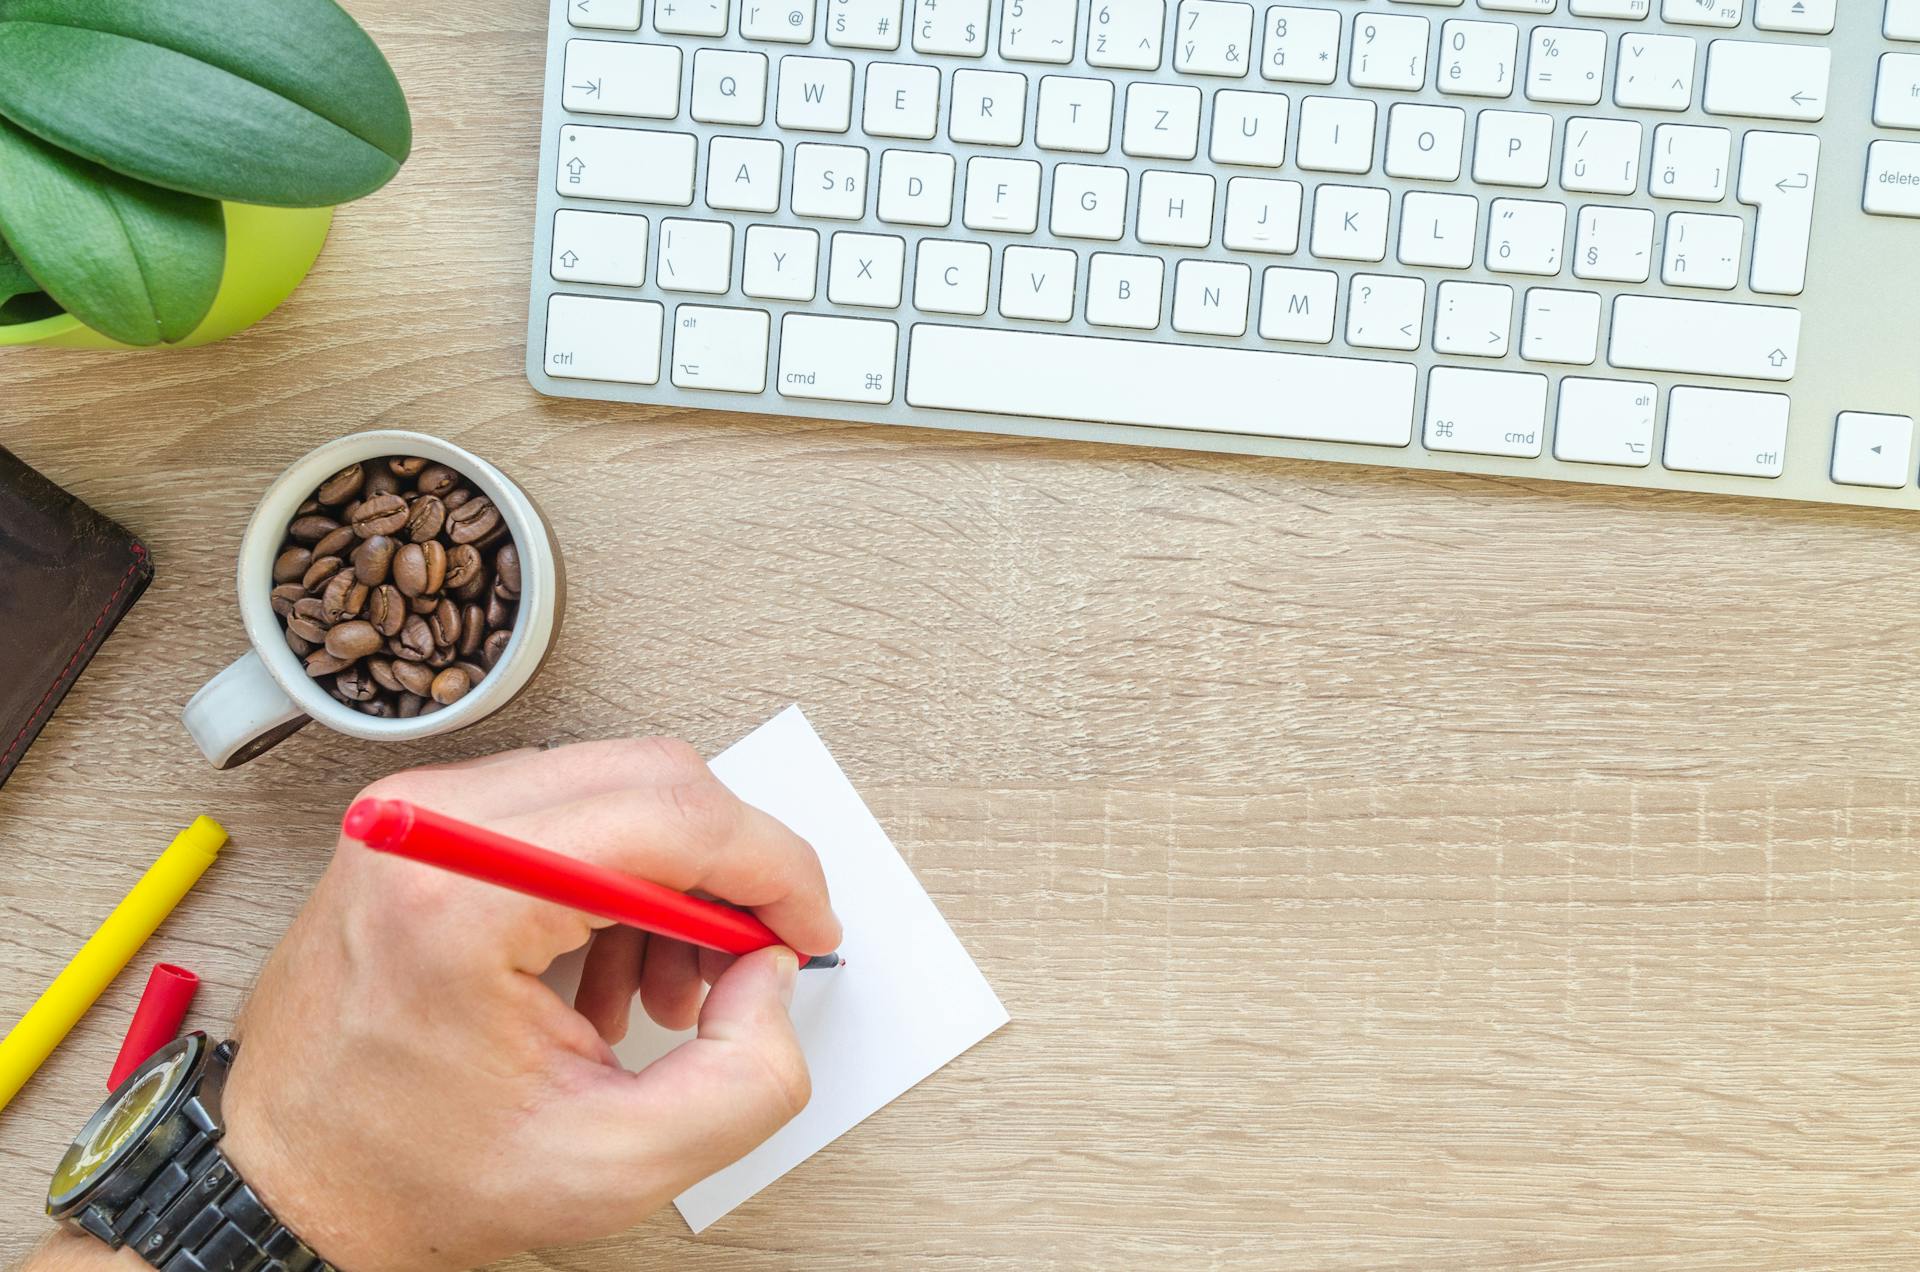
[
  {"x": 386, "y": 609},
  {"x": 356, "y": 684},
  {"x": 430, "y": 706},
  {"x": 436, "y": 479},
  {"x": 415, "y": 678},
  {"x": 464, "y": 564},
  {"x": 446, "y": 623},
  {"x": 473, "y": 628},
  {"x": 343, "y": 598},
  {"x": 455, "y": 498},
  {"x": 450, "y": 686},
  {"x": 374, "y": 558},
  {"x": 322, "y": 569},
  {"x": 291, "y": 565},
  {"x": 436, "y": 564},
  {"x": 474, "y": 588},
  {"x": 312, "y": 528},
  {"x": 379, "y": 708},
  {"x": 442, "y": 656},
  {"x": 475, "y": 672},
  {"x": 506, "y": 572},
  {"x": 308, "y": 630},
  {"x": 499, "y": 610},
  {"x": 313, "y": 609},
  {"x": 381, "y": 481},
  {"x": 410, "y": 704},
  {"x": 406, "y": 465},
  {"x": 307, "y": 506},
  {"x": 342, "y": 486},
  {"x": 300, "y": 646},
  {"x": 475, "y": 519},
  {"x": 424, "y": 605},
  {"x": 283, "y": 597},
  {"x": 495, "y": 648},
  {"x": 382, "y": 514},
  {"x": 351, "y": 640},
  {"x": 321, "y": 663},
  {"x": 338, "y": 543},
  {"x": 425, "y": 518},
  {"x": 381, "y": 669},
  {"x": 416, "y": 638}
]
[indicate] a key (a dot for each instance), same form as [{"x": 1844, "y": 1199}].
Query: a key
[
  {"x": 1902, "y": 20},
  {"x": 1602, "y": 156},
  {"x": 1567, "y": 64},
  {"x": 629, "y": 165},
  {"x": 837, "y": 359},
  {"x": 1731, "y": 431},
  {"x": 1124, "y": 291},
  {"x": 1163, "y": 121},
  {"x": 1690, "y": 162},
  {"x": 1486, "y": 412},
  {"x": 1520, "y": 6},
  {"x": 1262, "y": 215},
  {"x": 829, "y": 181},
  {"x": 1089, "y": 201},
  {"x": 1473, "y": 319},
  {"x": 605, "y": 15},
  {"x": 989, "y": 108},
  {"x": 1873, "y": 450},
  {"x": 1704, "y": 337},
  {"x": 1297, "y": 304},
  {"x": 1249, "y": 129},
  {"x": 1389, "y": 51},
  {"x": 596, "y": 338},
  {"x": 1893, "y": 179},
  {"x": 1425, "y": 142},
  {"x": 1385, "y": 311},
  {"x": 1176, "y": 209},
  {"x": 916, "y": 188},
  {"x": 1605, "y": 422},
  {"x": 1806, "y": 17},
  {"x": 1336, "y": 135},
  {"x": 1074, "y": 114},
  {"x": 1038, "y": 30},
  {"x": 1003, "y": 195},
  {"x": 1036, "y": 283},
  {"x": 1655, "y": 72},
  {"x": 1439, "y": 230},
  {"x": 1711, "y": 13},
  {"x": 729, "y": 87},
  {"x": 1703, "y": 251},
  {"x": 599, "y": 247},
  {"x": 1896, "y": 98},
  {"x": 1210, "y": 298},
  {"x": 1212, "y": 37},
  {"x": 607, "y": 77},
  {"x": 1126, "y": 34},
  {"x": 1629, "y": 10},
  {"x": 866, "y": 270},
  {"x": 816, "y": 94},
  {"x": 956, "y": 27},
  {"x": 902, "y": 100},
  {"x": 781, "y": 21},
  {"x": 690, "y": 17},
  {"x": 1350, "y": 223},
  {"x": 1477, "y": 58},
  {"x": 864, "y": 24},
  {"x": 1614, "y": 245},
  {"x": 1778, "y": 172},
  {"x": 1272, "y": 394},
  {"x": 695, "y": 256},
  {"x": 724, "y": 350},
  {"x": 1513, "y": 148},
  {"x": 1767, "y": 81},
  {"x": 1560, "y": 326},
  {"x": 743, "y": 174},
  {"x": 950, "y": 277},
  {"x": 781, "y": 263},
  {"x": 1302, "y": 45},
  {"x": 1525, "y": 236}
]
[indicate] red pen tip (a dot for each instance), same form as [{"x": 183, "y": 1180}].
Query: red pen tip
[{"x": 377, "y": 823}]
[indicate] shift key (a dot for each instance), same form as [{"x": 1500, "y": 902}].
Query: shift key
[
  {"x": 837, "y": 359},
  {"x": 1705, "y": 337}
]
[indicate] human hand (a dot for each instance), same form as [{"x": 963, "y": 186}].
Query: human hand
[{"x": 409, "y": 1095}]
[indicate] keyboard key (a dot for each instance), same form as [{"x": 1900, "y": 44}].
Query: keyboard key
[
  {"x": 1655, "y": 72},
  {"x": 1712, "y": 13},
  {"x": 957, "y": 27},
  {"x": 1561, "y": 326},
  {"x": 950, "y": 277},
  {"x": 1690, "y": 162},
  {"x": 1473, "y": 319},
  {"x": 1703, "y": 251},
  {"x": 1526, "y": 236},
  {"x": 1893, "y": 178},
  {"x": 781, "y": 21},
  {"x": 829, "y": 181},
  {"x": 866, "y": 270},
  {"x": 1386, "y": 311},
  {"x": 729, "y": 87},
  {"x": 1210, "y": 298},
  {"x": 1389, "y": 51},
  {"x": 605, "y": 15},
  {"x": 989, "y": 108},
  {"x": 628, "y": 165},
  {"x": 1486, "y": 412},
  {"x": 1605, "y": 422},
  {"x": 1614, "y": 245},
  {"x": 1176, "y": 209},
  {"x": 916, "y": 187},
  {"x": 1778, "y": 172},
  {"x": 1124, "y": 291},
  {"x": 1425, "y": 142},
  {"x": 1089, "y": 202},
  {"x": 607, "y": 77},
  {"x": 1631, "y": 10},
  {"x": 1520, "y": 6},
  {"x": 1513, "y": 148},
  {"x": 1902, "y": 20},
  {"x": 1262, "y": 215},
  {"x": 1075, "y": 114},
  {"x": 1047, "y": 376},
  {"x": 1127, "y": 36},
  {"x": 1163, "y": 121},
  {"x": 1037, "y": 283},
  {"x": 695, "y": 256},
  {"x": 599, "y": 247},
  {"x": 1732, "y": 431},
  {"x": 724, "y": 350},
  {"x": 1767, "y": 81},
  {"x": 743, "y": 174},
  {"x": 594, "y": 338},
  {"x": 782, "y": 263},
  {"x": 1038, "y": 30},
  {"x": 837, "y": 359},
  {"x": 1298, "y": 304},
  {"x": 1896, "y": 99},
  {"x": 1873, "y": 450},
  {"x": 1336, "y": 135},
  {"x": 1302, "y": 45},
  {"x": 1808, "y": 17},
  {"x": 816, "y": 94},
  {"x": 1705, "y": 337},
  {"x": 1477, "y": 58},
  {"x": 1567, "y": 64},
  {"x": 1249, "y": 129},
  {"x": 1003, "y": 195},
  {"x": 1212, "y": 37},
  {"x": 864, "y": 24},
  {"x": 1602, "y": 156},
  {"x": 1350, "y": 223},
  {"x": 690, "y": 17},
  {"x": 902, "y": 100},
  {"x": 1439, "y": 229}
]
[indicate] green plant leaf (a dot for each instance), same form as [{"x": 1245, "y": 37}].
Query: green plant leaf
[
  {"x": 14, "y": 279},
  {"x": 133, "y": 262},
  {"x": 281, "y": 102}
]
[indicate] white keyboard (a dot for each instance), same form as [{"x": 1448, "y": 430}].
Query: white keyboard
[{"x": 1664, "y": 243}]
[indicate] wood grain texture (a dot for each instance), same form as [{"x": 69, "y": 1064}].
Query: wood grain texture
[{"x": 1384, "y": 871}]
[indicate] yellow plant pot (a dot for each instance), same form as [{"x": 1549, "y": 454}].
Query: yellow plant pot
[{"x": 269, "y": 250}]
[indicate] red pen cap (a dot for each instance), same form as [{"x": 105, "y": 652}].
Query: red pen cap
[{"x": 156, "y": 1022}]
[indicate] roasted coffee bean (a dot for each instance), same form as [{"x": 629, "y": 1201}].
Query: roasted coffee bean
[
  {"x": 300, "y": 646},
  {"x": 450, "y": 686},
  {"x": 356, "y": 683},
  {"x": 382, "y": 514},
  {"x": 378, "y": 707},
  {"x": 387, "y": 609},
  {"x": 321, "y": 663},
  {"x": 338, "y": 543},
  {"x": 499, "y": 610},
  {"x": 381, "y": 482},
  {"x": 291, "y": 565},
  {"x": 343, "y": 598},
  {"x": 475, "y": 672},
  {"x": 475, "y": 519},
  {"x": 413, "y": 571},
  {"x": 283, "y": 597},
  {"x": 311, "y": 608},
  {"x": 406, "y": 465},
  {"x": 374, "y": 558},
  {"x": 430, "y": 706},
  {"x": 494, "y": 648},
  {"x": 311, "y": 528},
  {"x": 446, "y": 623},
  {"x": 307, "y": 506},
  {"x": 416, "y": 638},
  {"x": 423, "y": 605},
  {"x": 322, "y": 569},
  {"x": 473, "y": 628},
  {"x": 455, "y": 498},
  {"x": 308, "y": 630},
  {"x": 475, "y": 588},
  {"x": 342, "y": 486},
  {"x": 333, "y": 691},
  {"x": 410, "y": 704},
  {"x": 425, "y": 518},
  {"x": 416, "y": 678},
  {"x": 351, "y": 640},
  {"x": 442, "y": 656},
  {"x": 464, "y": 564},
  {"x": 506, "y": 572},
  {"x": 436, "y": 479},
  {"x": 381, "y": 669}
]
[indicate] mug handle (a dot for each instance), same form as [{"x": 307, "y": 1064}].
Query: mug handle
[{"x": 241, "y": 713}]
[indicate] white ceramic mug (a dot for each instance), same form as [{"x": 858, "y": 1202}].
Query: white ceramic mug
[{"x": 267, "y": 695}]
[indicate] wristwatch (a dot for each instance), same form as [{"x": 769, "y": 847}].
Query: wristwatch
[{"x": 147, "y": 1172}]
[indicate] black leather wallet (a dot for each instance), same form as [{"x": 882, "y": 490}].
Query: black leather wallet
[{"x": 67, "y": 575}]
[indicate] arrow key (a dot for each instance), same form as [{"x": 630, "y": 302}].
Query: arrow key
[
  {"x": 1873, "y": 450},
  {"x": 599, "y": 247}
]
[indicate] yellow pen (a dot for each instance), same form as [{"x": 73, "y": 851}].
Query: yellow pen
[{"x": 106, "y": 953}]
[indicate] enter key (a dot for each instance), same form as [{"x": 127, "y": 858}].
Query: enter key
[{"x": 1778, "y": 172}]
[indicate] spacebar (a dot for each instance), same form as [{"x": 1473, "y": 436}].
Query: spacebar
[{"x": 1161, "y": 385}]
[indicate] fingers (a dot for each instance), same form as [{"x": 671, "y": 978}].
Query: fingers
[
  {"x": 670, "y": 984},
  {"x": 609, "y": 980}
]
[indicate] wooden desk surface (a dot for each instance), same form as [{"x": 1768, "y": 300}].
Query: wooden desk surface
[{"x": 1384, "y": 871}]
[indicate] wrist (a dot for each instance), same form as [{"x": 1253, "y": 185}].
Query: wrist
[{"x": 70, "y": 1252}]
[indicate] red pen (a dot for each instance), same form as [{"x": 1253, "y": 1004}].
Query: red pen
[{"x": 407, "y": 830}]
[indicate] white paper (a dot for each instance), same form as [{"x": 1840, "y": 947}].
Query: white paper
[{"x": 909, "y": 1000}]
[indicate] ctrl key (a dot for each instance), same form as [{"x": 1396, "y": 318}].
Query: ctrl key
[
  {"x": 837, "y": 359},
  {"x": 596, "y": 338},
  {"x": 1732, "y": 431}
]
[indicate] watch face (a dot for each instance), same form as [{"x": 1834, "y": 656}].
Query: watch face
[{"x": 124, "y": 1120}]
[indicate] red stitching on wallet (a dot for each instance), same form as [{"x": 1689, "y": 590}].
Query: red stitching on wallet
[{"x": 39, "y": 712}]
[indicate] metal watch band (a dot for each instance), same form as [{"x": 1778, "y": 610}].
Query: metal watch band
[{"x": 194, "y": 1214}]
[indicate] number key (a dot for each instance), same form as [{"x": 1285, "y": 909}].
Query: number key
[
  {"x": 1211, "y": 37},
  {"x": 1303, "y": 45}
]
